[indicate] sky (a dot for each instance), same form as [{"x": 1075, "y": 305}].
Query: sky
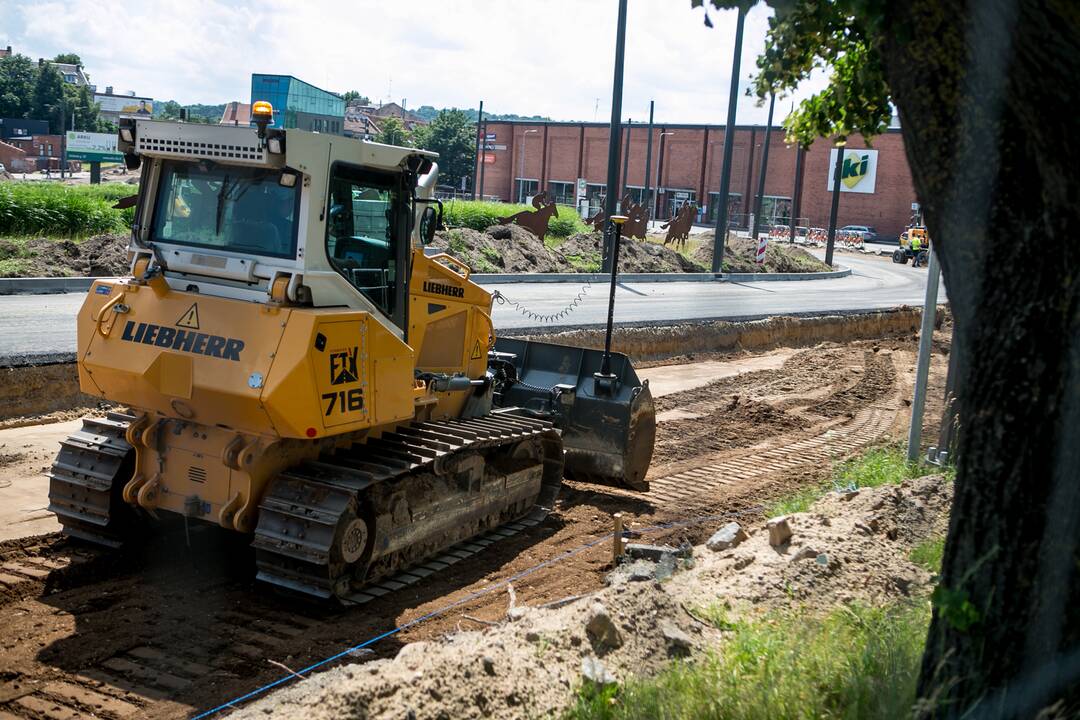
[{"x": 542, "y": 57}]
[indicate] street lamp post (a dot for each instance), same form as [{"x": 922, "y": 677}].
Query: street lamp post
[
  {"x": 729, "y": 138},
  {"x": 521, "y": 185},
  {"x": 656, "y": 194}
]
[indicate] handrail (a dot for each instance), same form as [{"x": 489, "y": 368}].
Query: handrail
[{"x": 455, "y": 262}]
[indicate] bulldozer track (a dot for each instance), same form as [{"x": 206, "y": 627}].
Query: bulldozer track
[{"x": 683, "y": 489}]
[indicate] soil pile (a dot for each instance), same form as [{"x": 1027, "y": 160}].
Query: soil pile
[
  {"x": 500, "y": 249},
  {"x": 634, "y": 255},
  {"x": 97, "y": 256},
  {"x": 851, "y": 546},
  {"x": 739, "y": 254},
  {"x": 512, "y": 249}
]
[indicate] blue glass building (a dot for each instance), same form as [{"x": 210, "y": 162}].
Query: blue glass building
[{"x": 298, "y": 104}]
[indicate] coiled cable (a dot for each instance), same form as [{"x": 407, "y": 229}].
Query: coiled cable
[{"x": 498, "y": 297}]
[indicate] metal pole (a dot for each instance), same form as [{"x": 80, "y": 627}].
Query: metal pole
[
  {"x": 795, "y": 189},
  {"x": 659, "y": 168},
  {"x": 483, "y": 165},
  {"x": 922, "y": 366},
  {"x": 521, "y": 187},
  {"x": 615, "y": 222},
  {"x": 729, "y": 146},
  {"x": 613, "y": 132},
  {"x": 764, "y": 170},
  {"x": 481, "y": 143},
  {"x": 648, "y": 159},
  {"x": 625, "y": 160},
  {"x": 837, "y": 169}
]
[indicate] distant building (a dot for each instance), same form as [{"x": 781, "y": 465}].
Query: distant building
[
  {"x": 360, "y": 122},
  {"x": 236, "y": 113},
  {"x": 20, "y": 128},
  {"x": 72, "y": 74},
  {"x": 39, "y": 151},
  {"x": 13, "y": 158},
  {"x": 5, "y": 52},
  {"x": 392, "y": 109},
  {"x": 298, "y": 104},
  {"x": 114, "y": 105}
]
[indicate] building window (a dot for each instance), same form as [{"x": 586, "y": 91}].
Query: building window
[
  {"x": 69, "y": 78},
  {"x": 676, "y": 198},
  {"x": 526, "y": 189},
  {"x": 563, "y": 192},
  {"x": 734, "y": 203},
  {"x": 595, "y": 193},
  {"x": 637, "y": 194},
  {"x": 776, "y": 210}
]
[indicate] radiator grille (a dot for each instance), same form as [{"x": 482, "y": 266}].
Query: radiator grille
[{"x": 195, "y": 148}]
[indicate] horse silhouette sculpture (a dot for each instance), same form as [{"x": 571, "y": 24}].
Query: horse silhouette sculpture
[
  {"x": 535, "y": 222},
  {"x": 637, "y": 219},
  {"x": 678, "y": 228}
]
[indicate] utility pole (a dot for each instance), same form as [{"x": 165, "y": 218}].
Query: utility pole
[
  {"x": 795, "y": 190},
  {"x": 764, "y": 169},
  {"x": 481, "y": 143},
  {"x": 659, "y": 163},
  {"x": 838, "y": 168},
  {"x": 648, "y": 160},
  {"x": 483, "y": 165},
  {"x": 613, "y": 136},
  {"x": 625, "y": 161},
  {"x": 922, "y": 363},
  {"x": 729, "y": 140}
]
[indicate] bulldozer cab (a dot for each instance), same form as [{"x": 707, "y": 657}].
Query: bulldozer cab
[{"x": 297, "y": 217}]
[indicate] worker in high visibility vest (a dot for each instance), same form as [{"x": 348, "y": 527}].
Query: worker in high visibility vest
[{"x": 916, "y": 247}]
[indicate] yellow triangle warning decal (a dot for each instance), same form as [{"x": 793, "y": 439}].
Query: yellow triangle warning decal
[
  {"x": 190, "y": 319},
  {"x": 476, "y": 351}
]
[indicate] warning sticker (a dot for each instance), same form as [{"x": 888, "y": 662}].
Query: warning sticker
[
  {"x": 190, "y": 319},
  {"x": 476, "y": 351}
]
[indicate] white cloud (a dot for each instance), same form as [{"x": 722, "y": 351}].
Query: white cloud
[{"x": 547, "y": 57}]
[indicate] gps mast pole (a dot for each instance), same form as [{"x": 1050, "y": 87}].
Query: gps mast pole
[
  {"x": 729, "y": 139},
  {"x": 613, "y": 136},
  {"x": 761, "y": 177}
]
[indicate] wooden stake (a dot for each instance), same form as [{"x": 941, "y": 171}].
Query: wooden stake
[{"x": 618, "y": 547}]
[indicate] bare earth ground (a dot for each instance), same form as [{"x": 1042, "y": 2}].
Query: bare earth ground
[{"x": 173, "y": 626}]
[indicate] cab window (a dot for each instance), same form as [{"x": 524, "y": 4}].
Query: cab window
[{"x": 364, "y": 220}]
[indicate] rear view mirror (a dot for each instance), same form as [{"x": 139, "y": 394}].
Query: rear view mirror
[{"x": 430, "y": 221}]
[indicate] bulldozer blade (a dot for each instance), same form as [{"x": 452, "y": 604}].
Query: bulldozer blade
[{"x": 608, "y": 425}]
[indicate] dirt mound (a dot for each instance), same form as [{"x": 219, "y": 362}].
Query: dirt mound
[
  {"x": 634, "y": 255},
  {"x": 97, "y": 256},
  {"x": 500, "y": 249},
  {"x": 852, "y": 546},
  {"x": 739, "y": 254},
  {"x": 739, "y": 422}
]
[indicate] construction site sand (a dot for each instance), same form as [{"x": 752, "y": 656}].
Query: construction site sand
[
  {"x": 181, "y": 598},
  {"x": 846, "y": 548}
]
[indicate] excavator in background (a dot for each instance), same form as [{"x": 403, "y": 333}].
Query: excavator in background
[
  {"x": 293, "y": 366},
  {"x": 914, "y": 242}
]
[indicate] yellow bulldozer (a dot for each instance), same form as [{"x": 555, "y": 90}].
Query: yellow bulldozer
[{"x": 288, "y": 362}]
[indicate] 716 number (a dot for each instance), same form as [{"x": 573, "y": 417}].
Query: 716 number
[{"x": 344, "y": 401}]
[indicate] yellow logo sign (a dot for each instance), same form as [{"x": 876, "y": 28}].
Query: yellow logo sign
[
  {"x": 190, "y": 319},
  {"x": 476, "y": 351},
  {"x": 855, "y": 168}
]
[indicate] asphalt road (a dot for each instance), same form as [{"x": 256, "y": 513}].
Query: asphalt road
[{"x": 43, "y": 326}]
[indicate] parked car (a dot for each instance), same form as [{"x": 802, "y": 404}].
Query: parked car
[
  {"x": 2, "y": 168},
  {"x": 869, "y": 234}
]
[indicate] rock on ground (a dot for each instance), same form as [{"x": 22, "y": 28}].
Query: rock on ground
[{"x": 533, "y": 667}]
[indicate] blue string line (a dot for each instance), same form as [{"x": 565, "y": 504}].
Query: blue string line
[{"x": 468, "y": 598}]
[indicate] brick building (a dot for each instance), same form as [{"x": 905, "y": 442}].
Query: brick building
[{"x": 521, "y": 158}]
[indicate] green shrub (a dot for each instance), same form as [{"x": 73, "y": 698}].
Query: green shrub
[
  {"x": 877, "y": 466},
  {"x": 929, "y": 553},
  {"x": 856, "y": 662},
  {"x": 479, "y": 216},
  {"x": 41, "y": 208}
]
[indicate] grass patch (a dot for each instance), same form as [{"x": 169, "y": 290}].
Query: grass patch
[
  {"x": 875, "y": 467},
  {"x": 856, "y": 662},
  {"x": 480, "y": 215},
  {"x": 929, "y": 553},
  {"x": 71, "y": 211}
]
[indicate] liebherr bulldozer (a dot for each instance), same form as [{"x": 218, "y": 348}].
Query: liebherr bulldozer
[{"x": 290, "y": 363}]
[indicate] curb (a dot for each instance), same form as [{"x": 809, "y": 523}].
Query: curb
[
  {"x": 44, "y": 286},
  {"x": 50, "y": 286},
  {"x": 504, "y": 278}
]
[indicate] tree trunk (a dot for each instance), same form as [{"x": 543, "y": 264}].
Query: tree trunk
[{"x": 987, "y": 92}]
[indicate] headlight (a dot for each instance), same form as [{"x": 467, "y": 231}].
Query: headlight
[
  {"x": 127, "y": 134},
  {"x": 274, "y": 145}
]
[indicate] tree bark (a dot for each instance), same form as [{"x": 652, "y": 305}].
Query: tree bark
[{"x": 987, "y": 92}]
